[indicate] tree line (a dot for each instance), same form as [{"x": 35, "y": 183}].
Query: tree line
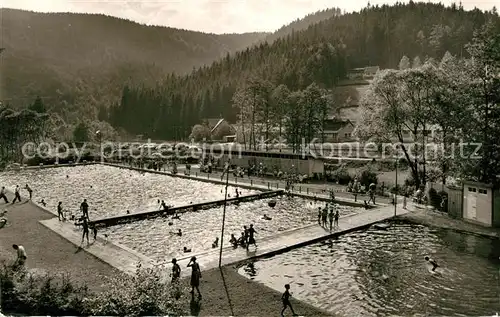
[
  {"x": 321, "y": 54},
  {"x": 17, "y": 127},
  {"x": 458, "y": 97}
]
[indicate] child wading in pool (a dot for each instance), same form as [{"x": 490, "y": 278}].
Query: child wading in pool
[{"x": 285, "y": 298}]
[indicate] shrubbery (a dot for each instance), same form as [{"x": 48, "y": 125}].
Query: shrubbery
[
  {"x": 367, "y": 176},
  {"x": 142, "y": 295},
  {"x": 341, "y": 175}
]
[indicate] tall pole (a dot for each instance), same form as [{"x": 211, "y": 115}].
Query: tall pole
[
  {"x": 224, "y": 214},
  {"x": 396, "y": 187}
]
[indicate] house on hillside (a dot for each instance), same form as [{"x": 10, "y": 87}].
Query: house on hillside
[
  {"x": 219, "y": 129},
  {"x": 356, "y": 73},
  {"x": 338, "y": 130},
  {"x": 370, "y": 72},
  {"x": 433, "y": 133},
  {"x": 259, "y": 130},
  {"x": 363, "y": 72}
]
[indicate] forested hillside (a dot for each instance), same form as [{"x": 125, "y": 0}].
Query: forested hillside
[
  {"x": 304, "y": 23},
  {"x": 77, "y": 62},
  {"x": 322, "y": 54}
]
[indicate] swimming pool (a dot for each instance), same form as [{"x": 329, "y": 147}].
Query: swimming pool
[
  {"x": 153, "y": 238},
  {"x": 111, "y": 191},
  {"x": 383, "y": 272}
]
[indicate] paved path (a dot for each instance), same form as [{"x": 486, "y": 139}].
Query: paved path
[
  {"x": 125, "y": 259},
  {"x": 112, "y": 253},
  {"x": 291, "y": 239},
  {"x": 304, "y": 190},
  {"x": 430, "y": 217}
]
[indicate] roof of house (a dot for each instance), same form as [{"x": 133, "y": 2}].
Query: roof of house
[
  {"x": 371, "y": 69},
  {"x": 214, "y": 123},
  {"x": 335, "y": 124},
  {"x": 217, "y": 125}
]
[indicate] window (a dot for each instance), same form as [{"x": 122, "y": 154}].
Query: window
[
  {"x": 347, "y": 135},
  {"x": 483, "y": 191},
  {"x": 472, "y": 189}
]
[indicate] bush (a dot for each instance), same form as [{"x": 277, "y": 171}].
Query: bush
[
  {"x": 341, "y": 176},
  {"x": 367, "y": 176},
  {"x": 144, "y": 294}
]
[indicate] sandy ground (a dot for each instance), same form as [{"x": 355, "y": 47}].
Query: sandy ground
[{"x": 227, "y": 293}]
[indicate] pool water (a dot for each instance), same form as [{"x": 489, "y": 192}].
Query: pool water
[
  {"x": 383, "y": 272},
  {"x": 156, "y": 239},
  {"x": 111, "y": 191}
]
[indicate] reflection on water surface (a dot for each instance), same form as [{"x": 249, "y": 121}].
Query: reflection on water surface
[{"x": 383, "y": 273}]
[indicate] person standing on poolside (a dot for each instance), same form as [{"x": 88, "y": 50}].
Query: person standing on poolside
[
  {"x": 2, "y": 195},
  {"x": 285, "y": 298},
  {"x": 246, "y": 235},
  {"x": 195, "y": 276},
  {"x": 85, "y": 227},
  {"x": 21, "y": 255},
  {"x": 251, "y": 237},
  {"x": 324, "y": 216},
  {"x": 17, "y": 196},
  {"x": 331, "y": 215},
  {"x": 336, "y": 218},
  {"x": 176, "y": 271},
  {"x": 30, "y": 191},
  {"x": 84, "y": 208},
  {"x": 60, "y": 214},
  {"x": 319, "y": 215}
]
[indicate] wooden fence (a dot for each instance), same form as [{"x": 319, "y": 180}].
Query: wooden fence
[{"x": 453, "y": 205}]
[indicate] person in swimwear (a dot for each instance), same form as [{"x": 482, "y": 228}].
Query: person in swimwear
[
  {"x": 433, "y": 263},
  {"x": 233, "y": 241}
]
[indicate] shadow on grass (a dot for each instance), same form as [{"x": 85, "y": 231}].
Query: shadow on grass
[
  {"x": 195, "y": 306},
  {"x": 227, "y": 292}
]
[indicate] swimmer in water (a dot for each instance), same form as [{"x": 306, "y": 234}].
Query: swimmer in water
[
  {"x": 266, "y": 217},
  {"x": 179, "y": 233},
  {"x": 434, "y": 263},
  {"x": 215, "y": 244},
  {"x": 186, "y": 250}
]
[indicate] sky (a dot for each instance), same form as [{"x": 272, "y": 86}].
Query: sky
[{"x": 213, "y": 16}]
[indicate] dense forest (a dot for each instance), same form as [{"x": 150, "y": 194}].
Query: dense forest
[
  {"x": 79, "y": 62},
  {"x": 321, "y": 54},
  {"x": 304, "y": 23}
]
